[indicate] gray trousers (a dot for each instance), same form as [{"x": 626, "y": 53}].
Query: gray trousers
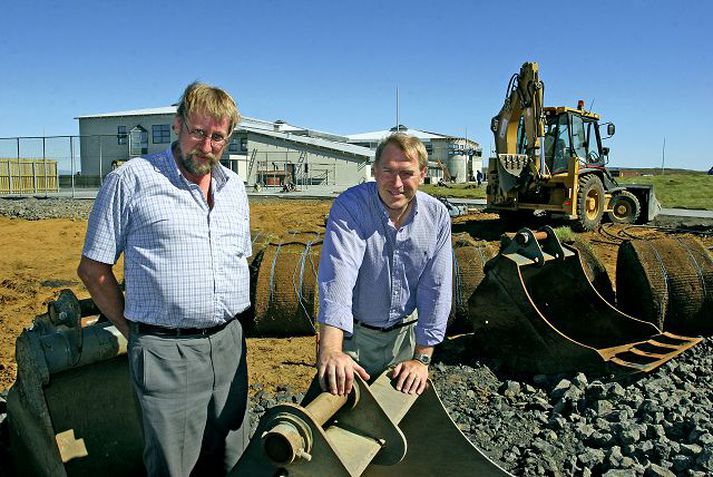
[
  {"x": 376, "y": 350},
  {"x": 193, "y": 396}
]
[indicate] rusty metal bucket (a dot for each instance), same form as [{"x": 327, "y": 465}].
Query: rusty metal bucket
[
  {"x": 537, "y": 311},
  {"x": 71, "y": 410},
  {"x": 375, "y": 431}
]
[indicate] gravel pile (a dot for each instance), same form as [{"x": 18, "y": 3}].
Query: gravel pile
[
  {"x": 656, "y": 425},
  {"x": 38, "y": 209}
]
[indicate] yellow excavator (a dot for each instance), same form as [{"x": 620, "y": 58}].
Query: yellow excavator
[{"x": 552, "y": 159}]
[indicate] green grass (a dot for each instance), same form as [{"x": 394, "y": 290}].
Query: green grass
[
  {"x": 680, "y": 191},
  {"x": 565, "y": 234},
  {"x": 461, "y": 191}
]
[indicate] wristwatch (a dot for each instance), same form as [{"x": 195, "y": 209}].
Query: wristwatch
[{"x": 422, "y": 358}]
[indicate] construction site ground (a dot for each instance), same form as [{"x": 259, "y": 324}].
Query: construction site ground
[{"x": 38, "y": 258}]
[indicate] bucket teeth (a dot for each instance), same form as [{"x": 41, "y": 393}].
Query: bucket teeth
[{"x": 649, "y": 355}]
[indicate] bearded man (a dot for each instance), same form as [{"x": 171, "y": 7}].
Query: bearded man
[{"x": 181, "y": 220}]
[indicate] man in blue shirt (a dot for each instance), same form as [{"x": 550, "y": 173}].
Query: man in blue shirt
[
  {"x": 181, "y": 220},
  {"x": 385, "y": 274}
]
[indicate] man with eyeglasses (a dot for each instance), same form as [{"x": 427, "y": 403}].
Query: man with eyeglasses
[
  {"x": 384, "y": 275},
  {"x": 181, "y": 220}
]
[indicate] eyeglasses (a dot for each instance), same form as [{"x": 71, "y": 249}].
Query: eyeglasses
[{"x": 216, "y": 140}]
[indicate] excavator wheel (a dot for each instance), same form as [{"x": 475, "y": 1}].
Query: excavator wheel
[
  {"x": 625, "y": 208},
  {"x": 590, "y": 203}
]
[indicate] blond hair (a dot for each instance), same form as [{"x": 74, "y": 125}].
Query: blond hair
[
  {"x": 209, "y": 100},
  {"x": 411, "y": 145}
]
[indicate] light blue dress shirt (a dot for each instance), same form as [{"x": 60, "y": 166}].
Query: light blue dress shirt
[
  {"x": 185, "y": 264},
  {"x": 372, "y": 272}
]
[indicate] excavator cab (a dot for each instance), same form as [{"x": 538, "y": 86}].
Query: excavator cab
[{"x": 573, "y": 133}]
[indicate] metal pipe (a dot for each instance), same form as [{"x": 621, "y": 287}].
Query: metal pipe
[
  {"x": 326, "y": 405},
  {"x": 44, "y": 166},
  {"x": 71, "y": 154},
  {"x": 290, "y": 437},
  {"x": 101, "y": 161}
]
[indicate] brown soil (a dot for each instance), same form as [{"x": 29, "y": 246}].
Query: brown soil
[{"x": 39, "y": 258}]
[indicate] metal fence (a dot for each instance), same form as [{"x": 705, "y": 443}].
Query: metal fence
[{"x": 42, "y": 164}]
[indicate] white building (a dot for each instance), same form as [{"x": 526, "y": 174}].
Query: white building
[
  {"x": 449, "y": 157},
  {"x": 268, "y": 152}
]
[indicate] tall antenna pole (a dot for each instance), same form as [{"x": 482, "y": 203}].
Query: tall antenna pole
[
  {"x": 397, "y": 108},
  {"x": 663, "y": 155}
]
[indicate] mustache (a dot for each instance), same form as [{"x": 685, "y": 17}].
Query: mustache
[{"x": 195, "y": 152}]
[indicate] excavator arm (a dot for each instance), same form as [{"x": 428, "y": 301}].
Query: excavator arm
[
  {"x": 524, "y": 99},
  {"x": 518, "y": 146}
]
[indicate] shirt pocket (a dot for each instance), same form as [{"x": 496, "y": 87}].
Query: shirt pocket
[{"x": 234, "y": 233}]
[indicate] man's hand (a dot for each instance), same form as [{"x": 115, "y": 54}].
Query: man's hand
[
  {"x": 411, "y": 376},
  {"x": 335, "y": 368},
  {"x": 336, "y": 372}
]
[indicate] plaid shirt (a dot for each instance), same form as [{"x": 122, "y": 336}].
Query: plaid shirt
[
  {"x": 185, "y": 264},
  {"x": 370, "y": 271}
]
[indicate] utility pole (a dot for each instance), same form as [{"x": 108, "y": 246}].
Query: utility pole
[
  {"x": 663, "y": 155},
  {"x": 397, "y": 109}
]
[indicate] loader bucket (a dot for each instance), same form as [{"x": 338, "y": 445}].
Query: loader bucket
[
  {"x": 71, "y": 410},
  {"x": 375, "y": 431},
  {"x": 538, "y": 312}
]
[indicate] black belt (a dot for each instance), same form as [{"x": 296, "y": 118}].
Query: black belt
[
  {"x": 384, "y": 329},
  {"x": 155, "y": 330}
]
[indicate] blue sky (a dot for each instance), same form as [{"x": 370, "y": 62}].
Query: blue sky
[{"x": 335, "y": 66}]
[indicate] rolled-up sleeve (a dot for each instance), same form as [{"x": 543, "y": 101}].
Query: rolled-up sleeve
[
  {"x": 435, "y": 292},
  {"x": 340, "y": 260}
]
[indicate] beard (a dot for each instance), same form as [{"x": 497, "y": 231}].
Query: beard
[{"x": 196, "y": 167}]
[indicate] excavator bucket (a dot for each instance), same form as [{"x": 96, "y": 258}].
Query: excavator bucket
[
  {"x": 375, "y": 431},
  {"x": 538, "y": 312},
  {"x": 71, "y": 410}
]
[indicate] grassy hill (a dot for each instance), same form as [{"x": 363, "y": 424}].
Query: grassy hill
[{"x": 687, "y": 190}]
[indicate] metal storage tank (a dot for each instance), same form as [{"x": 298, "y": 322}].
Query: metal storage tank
[{"x": 457, "y": 167}]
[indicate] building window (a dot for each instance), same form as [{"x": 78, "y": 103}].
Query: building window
[
  {"x": 138, "y": 141},
  {"x": 238, "y": 144},
  {"x": 234, "y": 145},
  {"x": 161, "y": 133},
  {"x": 121, "y": 135}
]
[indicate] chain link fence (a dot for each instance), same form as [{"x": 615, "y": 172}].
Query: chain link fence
[{"x": 52, "y": 164}]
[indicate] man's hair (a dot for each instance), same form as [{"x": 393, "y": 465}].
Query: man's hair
[
  {"x": 411, "y": 145},
  {"x": 209, "y": 100}
]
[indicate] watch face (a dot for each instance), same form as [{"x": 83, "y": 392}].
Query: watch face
[{"x": 424, "y": 358}]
